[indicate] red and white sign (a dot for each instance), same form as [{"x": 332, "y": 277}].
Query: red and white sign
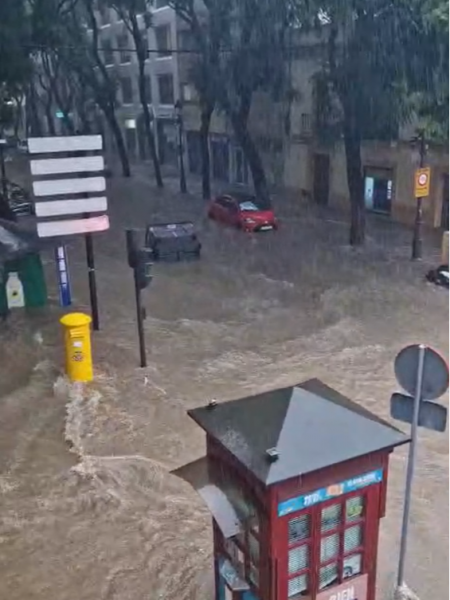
[{"x": 353, "y": 589}]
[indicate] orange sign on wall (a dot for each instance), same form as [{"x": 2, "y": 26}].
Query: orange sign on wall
[
  {"x": 422, "y": 182},
  {"x": 354, "y": 589}
]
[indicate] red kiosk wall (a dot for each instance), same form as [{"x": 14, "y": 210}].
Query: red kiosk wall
[{"x": 374, "y": 498}]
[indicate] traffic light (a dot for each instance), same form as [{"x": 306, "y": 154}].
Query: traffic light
[{"x": 143, "y": 267}]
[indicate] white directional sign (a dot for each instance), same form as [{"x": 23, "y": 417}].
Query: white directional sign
[
  {"x": 69, "y": 143},
  {"x": 71, "y": 207},
  {"x": 56, "y": 166},
  {"x": 81, "y": 193},
  {"x": 72, "y": 226}
]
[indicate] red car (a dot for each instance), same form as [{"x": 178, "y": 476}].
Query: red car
[{"x": 241, "y": 210}]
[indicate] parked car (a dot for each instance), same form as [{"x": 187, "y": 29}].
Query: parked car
[{"x": 241, "y": 210}]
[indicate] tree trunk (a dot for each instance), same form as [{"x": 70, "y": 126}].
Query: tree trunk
[
  {"x": 148, "y": 126},
  {"x": 254, "y": 161},
  {"x": 33, "y": 125},
  {"x": 206, "y": 115},
  {"x": 67, "y": 123},
  {"x": 355, "y": 180},
  {"x": 49, "y": 118},
  {"x": 117, "y": 133}
]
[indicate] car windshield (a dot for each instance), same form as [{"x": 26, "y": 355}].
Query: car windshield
[{"x": 248, "y": 205}]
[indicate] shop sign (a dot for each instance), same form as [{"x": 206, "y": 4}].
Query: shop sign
[
  {"x": 332, "y": 491},
  {"x": 354, "y": 589}
]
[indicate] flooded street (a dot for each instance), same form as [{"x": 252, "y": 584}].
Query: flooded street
[{"x": 89, "y": 509}]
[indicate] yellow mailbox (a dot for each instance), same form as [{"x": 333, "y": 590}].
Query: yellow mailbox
[{"x": 77, "y": 340}]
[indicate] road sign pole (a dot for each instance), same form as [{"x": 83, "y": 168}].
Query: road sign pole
[
  {"x": 90, "y": 260},
  {"x": 62, "y": 268},
  {"x": 417, "y": 237},
  {"x": 411, "y": 465}
]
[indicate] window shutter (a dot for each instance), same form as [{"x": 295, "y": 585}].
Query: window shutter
[
  {"x": 329, "y": 547},
  {"x": 328, "y": 575},
  {"x": 352, "y": 538},
  {"x": 297, "y": 585},
  {"x": 298, "y": 559},
  {"x": 331, "y": 517},
  {"x": 299, "y": 529}
]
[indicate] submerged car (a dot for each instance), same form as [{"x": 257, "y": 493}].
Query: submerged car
[{"x": 241, "y": 210}]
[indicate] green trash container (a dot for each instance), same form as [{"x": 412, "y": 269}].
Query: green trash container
[{"x": 31, "y": 275}]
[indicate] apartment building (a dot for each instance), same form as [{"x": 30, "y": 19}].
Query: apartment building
[
  {"x": 162, "y": 79},
  {"x": 296, "y": 158}
]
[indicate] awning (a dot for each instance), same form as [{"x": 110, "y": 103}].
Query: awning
[{"x": 196, "y": 473}]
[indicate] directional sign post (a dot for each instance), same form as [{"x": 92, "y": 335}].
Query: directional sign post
[
  {"x": 423, "y": 373},
  {"x": 69, "y": 188},
  {"x": 62, "y": 271}
]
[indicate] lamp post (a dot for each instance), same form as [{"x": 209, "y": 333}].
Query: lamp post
[
  {"x": 418, "y": 222},
  {"x": 179, "y": 121}
]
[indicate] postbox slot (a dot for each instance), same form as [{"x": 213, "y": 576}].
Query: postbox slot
[{"x": 76, "y": 334}]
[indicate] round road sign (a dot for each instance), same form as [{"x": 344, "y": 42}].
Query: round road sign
[
  {"x": 423, "y": 179},
  {"x": 435, "y": 372}
]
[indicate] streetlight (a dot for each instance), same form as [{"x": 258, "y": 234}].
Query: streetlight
[
  {"x": 418, "y": 222},
  {"x": 179, "y": 121}
]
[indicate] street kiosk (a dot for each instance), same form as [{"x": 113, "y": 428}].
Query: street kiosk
[{"x": 296, "y": 483}]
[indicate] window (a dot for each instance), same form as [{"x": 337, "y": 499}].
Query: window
[
  {"x": 107, "y": 52},
  {"x": 165, "y": 84},
  {"x": 378, "y": 189},
  {"x": 299, "y": 559},
  {"x": 188, "y": 92},
  {"x": 342, "y": 538},
  {"x": 122, "y": 44},
  {"x": 306, "y": 125},
  {"x": 127, "y": 90},
  {"x": 185, "y": 40},
  {"x": 162, "y": 35}
]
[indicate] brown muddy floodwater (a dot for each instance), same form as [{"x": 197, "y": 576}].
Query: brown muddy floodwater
[{"x": 88, "y": 507}]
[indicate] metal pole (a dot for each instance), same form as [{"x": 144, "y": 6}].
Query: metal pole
[
  {"x": 410, "y": 467},
  {"x": 90, "y": 260},
  {"x": 62, "y": 269},
  {"x": 140, "y": 322},
  {"x": 183, "y": 186},
  {"x": 3, "y": 170},
  {"x": 417, "y": 237}
]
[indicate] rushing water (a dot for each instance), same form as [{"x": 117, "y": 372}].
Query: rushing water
[{"x": 89, "y": 508}]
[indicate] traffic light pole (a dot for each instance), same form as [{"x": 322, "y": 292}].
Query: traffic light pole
[
  {"x": 135, "y": 257},
  {"x": 140, "y": 320}
]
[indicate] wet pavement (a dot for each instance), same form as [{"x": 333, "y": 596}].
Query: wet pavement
[{"x": 89, "y": 509}]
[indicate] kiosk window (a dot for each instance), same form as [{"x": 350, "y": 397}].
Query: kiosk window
[
  {"x": 297, "y": 586},
  {"x": 342, "y": 540},
  {"x": 299, "y": 557}
]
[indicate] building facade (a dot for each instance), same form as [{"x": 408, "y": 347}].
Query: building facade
[{"x": 162, "y": 79}]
